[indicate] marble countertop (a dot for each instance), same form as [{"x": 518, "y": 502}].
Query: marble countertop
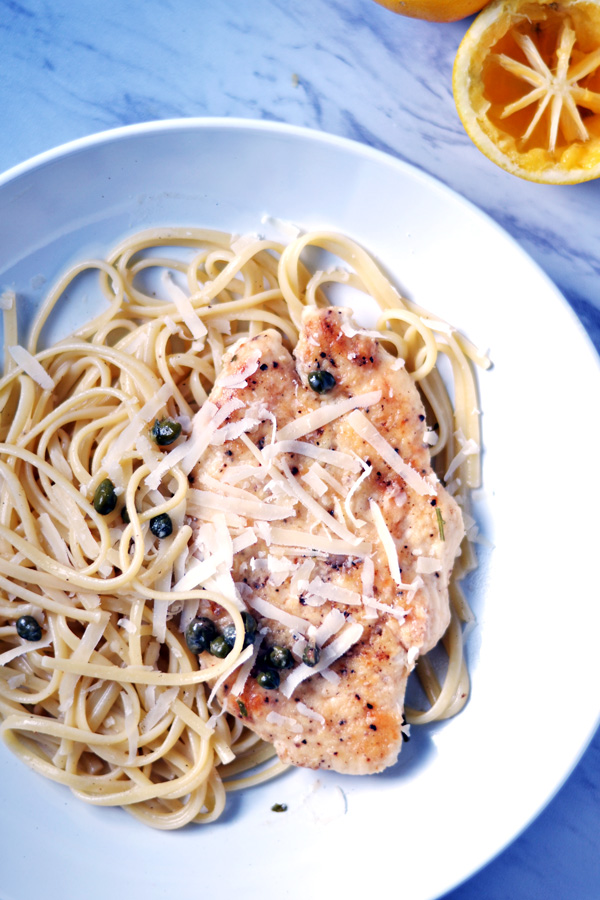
[{"x": 352, "y": 68}]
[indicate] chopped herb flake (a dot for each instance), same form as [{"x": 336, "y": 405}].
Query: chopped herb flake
[
  {"x": 279, "y": 807},
  {"x": 243, "y": 709},
  {"x": 440, "y": 522}
]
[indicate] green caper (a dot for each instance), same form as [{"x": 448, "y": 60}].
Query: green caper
[
  {"x": 280, "y": 657},
  {"x": 321, "y": 381},
  {"x": 165, "y": 432},
  {"x": 311, "y": 655},
  {"x": 199, "y": 633},
  {"x": 229, "y": 635},
  {"x": 29, "y": 628},
  {"x": 249, "y": 623},
  {"x": 219, "y": 647},
  {"x": 249, "y": 631},
  {"x": 161, "y": 526},
  {"x": 105, "y": 498},
  {"x": 125, "y": 516},
  {"x": 268, "y": 680}
]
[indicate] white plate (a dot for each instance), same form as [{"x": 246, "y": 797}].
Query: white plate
[{"x": 465, "y": 788}]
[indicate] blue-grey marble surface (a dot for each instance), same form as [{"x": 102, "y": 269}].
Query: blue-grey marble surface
[{"x": 69, "y": 68}]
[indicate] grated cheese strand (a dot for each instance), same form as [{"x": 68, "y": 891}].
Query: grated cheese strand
[
  {"x": 305, "y": 710},
  {"x": 333, "y": 622},
  {"x": 22, "y": 649},
  {"x": 254, "y": 509},
  {"x": 244, "y": 672},
  {"x": 367, "y": 431},
  {"x": 206, "y": 421},
  {"x": 293, "y": 537},
  {"x": 270, "y": 611},
  {"x": 426, "y": 565},
  {"x": 387, "y": 541},
  {"x": 325, "y": 414},
  {"x": 328, "y": 457},
  {"x": 335, "y": 593},
  {"x": 347, "y": 638},
  {"x": 32, "y": 367},
  {"x": 358, "y": 523},
  {"x": 242, "y": 658},
  {"x": 275, "y": 718},
  {"x": 316, "y": 509},
  {"x": 190, "y": 317},
  {"x": 127, "y": 438}
]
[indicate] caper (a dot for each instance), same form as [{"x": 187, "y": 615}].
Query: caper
[
  {"x": 125, "y": 516},
  {"x": 29, "y": 628},
  {"x": 199, "y": 633},
  {"x": 219, "y": 647},
  {"x": 105, "y": 498},
  {"x": 161, "y": 526},
  {"x": 165, "y": 432},
  {"x": 229, "y": 635},
  {"x": 268, "y": 679},
  {"x": 249, "y": 623},
  {"x": 249, "y": 631},
  {"x": 311, "y": 655},
  {"x": 280, "y": 657},
  {"x": 321, "y": 381}
]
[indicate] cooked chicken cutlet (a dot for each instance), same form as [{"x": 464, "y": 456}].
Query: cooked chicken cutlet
[{"x": 333, "y": 509}]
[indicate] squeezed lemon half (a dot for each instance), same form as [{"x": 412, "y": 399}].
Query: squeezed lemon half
[{"x": 526, "y": 84}]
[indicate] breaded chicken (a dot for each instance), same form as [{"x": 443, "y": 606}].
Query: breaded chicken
[{"x": 341, "y": 557}]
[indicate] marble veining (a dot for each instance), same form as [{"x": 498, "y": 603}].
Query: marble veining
[{"x": 352, "y": 68}]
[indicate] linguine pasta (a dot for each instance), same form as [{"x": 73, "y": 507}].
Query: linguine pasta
[{"x": 110, "y": 701}]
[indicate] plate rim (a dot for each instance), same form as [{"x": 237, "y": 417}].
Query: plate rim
[{"x": 238, "y": 123}]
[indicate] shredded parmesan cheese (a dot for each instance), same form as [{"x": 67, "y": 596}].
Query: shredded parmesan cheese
[
  {"x": 242, "y": 676},
  {"x": 7, "y": 299},
  {"x": 22, "y": 649},
  {"x": 335, "y": 593},
  {"x": 197, "y": 328},
  {"x": 367, "y": 431},
  {"x": 126, "y": 439},
  {"x": 270, "y": 611},
  {"x": 254, "y": 509},
  {"x": 291, "y": 537},
  {"x": 305, "y": 710},
  {"x": 316, "y": 509},
  {"x": 348, "y": 637},
  {"x": 469, "y": 448},
  {"x": 325, "y": 414},
  {"x": 387, "y": 541},
  {"x": 205, "y": 423},
  {"x": 333, "y": 622},
  {"x": 131, "y": 725},
  {"x": 321, "y": 454},
  {"x": 275, "y": 718},
  {"x": 32, "y": 367},
  {"x": 159, "y": 710},
  {"x": 242, "y": 658},
  {"x": 426, "y": 565},
  {"x": 55, "y": 542},
  {"x": 315, "y": 483},
  {"x": 358, "y": 523}
]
